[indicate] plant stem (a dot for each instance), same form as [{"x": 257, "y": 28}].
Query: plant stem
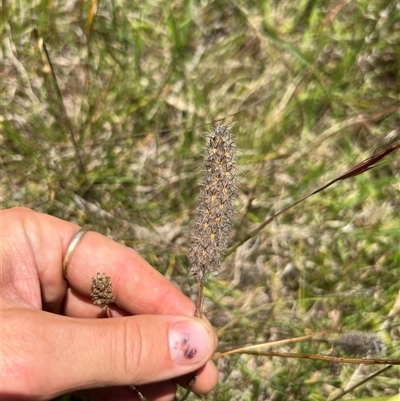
[{"x": 199, "y": 301}]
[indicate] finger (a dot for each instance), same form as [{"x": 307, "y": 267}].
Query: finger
[
  {"x": 138, "y": 288},
  {"x": 110, "y": 394},
  {"x": 206, "y": 379},
  {"x": 32, "y": 245},
  {"x": 78, "y": 305},
  {"x": 202, "y": 381},
  {"x": 45, "y": 236},
  {"x": 206, "y": 376},
  {"x": 164, "y": 391},
  {"x": 98, "y": 352}
]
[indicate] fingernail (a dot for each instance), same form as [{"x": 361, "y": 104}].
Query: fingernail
[{"x": 188, "y": 342}]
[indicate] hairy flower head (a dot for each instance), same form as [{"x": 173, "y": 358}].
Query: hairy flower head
[{"x": 212, "y": 225}]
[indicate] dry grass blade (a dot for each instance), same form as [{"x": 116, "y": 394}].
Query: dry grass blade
[
  {"x": 41, "y": 45},
  {"x": 360, "y": 383},
  {"x": 251, "y": 348},
  {"x": 360, "y": 168},
  {"x": 90, "y": 19},
  {"x": 352, "y": 361}
]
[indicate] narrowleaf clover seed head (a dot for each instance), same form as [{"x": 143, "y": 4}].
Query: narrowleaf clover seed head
[
  {"x": 212, "y": 223},
  {"x": 102, "y": 292}
]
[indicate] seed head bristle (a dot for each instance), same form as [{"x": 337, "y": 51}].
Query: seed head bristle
[{"x": 212, "y": 225}]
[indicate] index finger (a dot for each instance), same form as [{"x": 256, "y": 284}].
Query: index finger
[{"x": 138, "y": 288}]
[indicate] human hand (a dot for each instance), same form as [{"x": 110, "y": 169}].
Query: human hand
[{"x": 44, "y": 355}]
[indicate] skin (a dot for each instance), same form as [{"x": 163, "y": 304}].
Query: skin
[{"x": 53, "y": 341}]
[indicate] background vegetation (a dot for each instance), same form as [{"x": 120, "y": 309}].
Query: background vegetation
[{"x": 314, "y": 87}]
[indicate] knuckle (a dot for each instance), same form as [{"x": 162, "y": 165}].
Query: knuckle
[
  {"x": 140, "y": 356},
  {"x": 127, "y": 350}
]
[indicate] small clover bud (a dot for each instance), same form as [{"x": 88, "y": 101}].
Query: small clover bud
[{"x": 102, "y": 292}]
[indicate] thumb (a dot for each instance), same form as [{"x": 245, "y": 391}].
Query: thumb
[{"x": 59, "y": 354}]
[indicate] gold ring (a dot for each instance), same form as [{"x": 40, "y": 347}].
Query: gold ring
[{"x": 73, "y": 245}]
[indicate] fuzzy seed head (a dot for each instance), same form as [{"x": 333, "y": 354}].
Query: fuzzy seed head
[
  {"x": 361, "y": 343},
  {"x": 102, "y": 292},
  {"x": 212, "y": 224}
]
